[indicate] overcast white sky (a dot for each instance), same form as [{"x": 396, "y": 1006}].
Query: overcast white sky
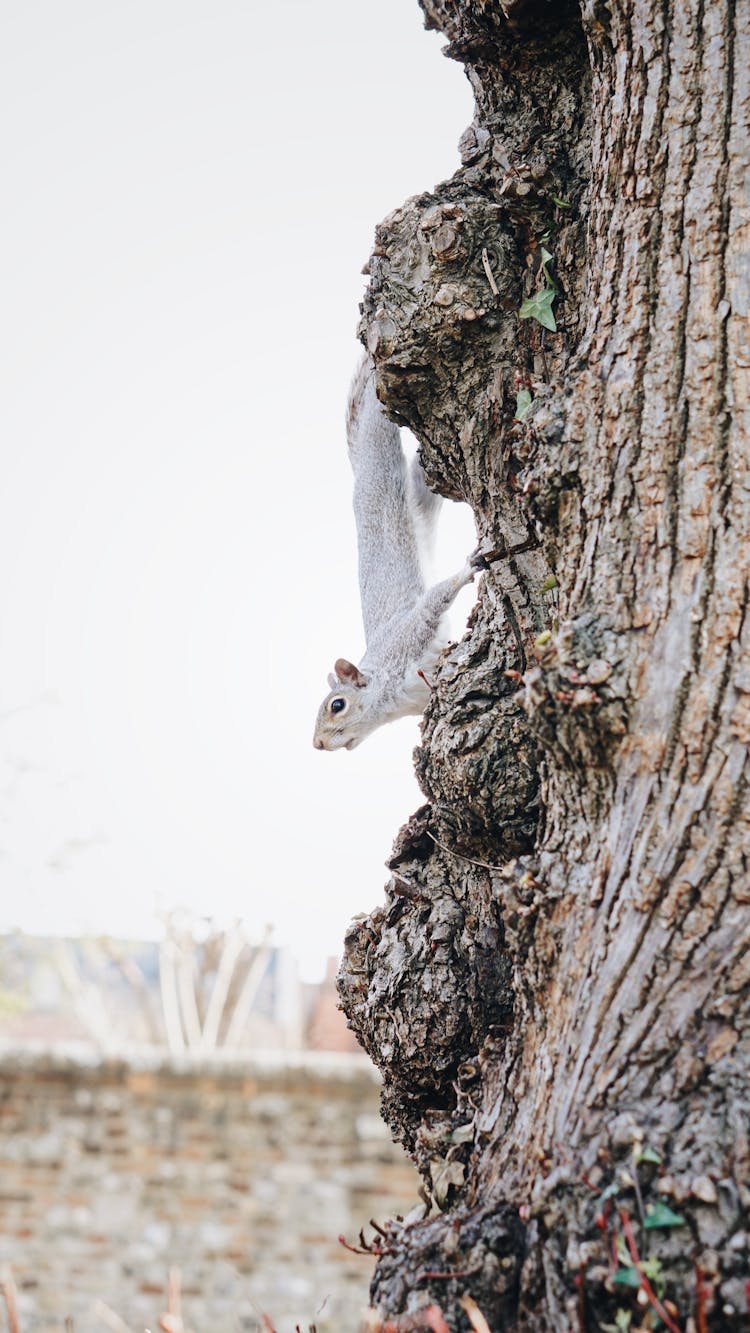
[{"x": 190, "y": 191}]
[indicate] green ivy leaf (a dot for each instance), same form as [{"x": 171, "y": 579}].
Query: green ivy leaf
[
  {"x": 623, "y": 1320},
  {"x": 539, "y": 307},
  {"x": 661, "y": 1215},
  {"x": 523, "y": 403},
  {"x": 627, "y": 1277}
]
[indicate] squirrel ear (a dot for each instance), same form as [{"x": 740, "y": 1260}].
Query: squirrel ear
[
  {"x": 347, "y": 672},
  {"x": 333, "y": 681}
]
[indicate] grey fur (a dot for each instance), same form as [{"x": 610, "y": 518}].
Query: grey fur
[{"x": 395, "y": 513}]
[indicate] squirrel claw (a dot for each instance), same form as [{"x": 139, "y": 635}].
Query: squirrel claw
[{"x": 477, "y": 560}]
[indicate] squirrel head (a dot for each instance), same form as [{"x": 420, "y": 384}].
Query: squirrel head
[{"x": 342, "y": 720}]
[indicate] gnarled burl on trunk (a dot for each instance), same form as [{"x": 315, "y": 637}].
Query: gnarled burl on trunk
[{"x": 556, "y": 989}]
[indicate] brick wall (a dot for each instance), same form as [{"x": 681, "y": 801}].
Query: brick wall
[{"x": 242, "y": 1175}]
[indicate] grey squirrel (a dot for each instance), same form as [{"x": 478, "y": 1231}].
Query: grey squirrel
[{"x": 393, "y": 509}]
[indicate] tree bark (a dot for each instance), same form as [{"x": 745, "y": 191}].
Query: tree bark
[{"x": 556, "y": 989}]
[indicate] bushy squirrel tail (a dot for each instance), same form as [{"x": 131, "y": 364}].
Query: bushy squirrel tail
[
  {"x": 423, "y": 503},
  {"x": 355, "y": 403}
]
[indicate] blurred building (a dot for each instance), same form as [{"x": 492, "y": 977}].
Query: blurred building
[{"x": 190, "y": 992}]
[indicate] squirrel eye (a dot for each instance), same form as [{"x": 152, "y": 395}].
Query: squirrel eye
[{"x": 337, "y": 705}]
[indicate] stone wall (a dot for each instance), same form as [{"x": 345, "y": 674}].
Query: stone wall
[{"x": 242, "y": 1175}]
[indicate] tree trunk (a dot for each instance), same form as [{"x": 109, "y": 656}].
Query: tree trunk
[{"x": 556, "y": 989}]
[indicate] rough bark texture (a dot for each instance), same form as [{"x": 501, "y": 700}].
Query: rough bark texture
[{"x": 556, "y": 989}]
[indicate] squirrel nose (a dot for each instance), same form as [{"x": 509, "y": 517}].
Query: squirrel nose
[{"x": 319, "y": 745}]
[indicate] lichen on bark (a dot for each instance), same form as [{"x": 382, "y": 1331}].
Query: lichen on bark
[{"x": 556, "y": 989}]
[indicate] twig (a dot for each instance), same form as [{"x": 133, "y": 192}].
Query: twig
[
  {"x": 488, "y": 270},
  {"x": 639, "y": 1197},
  {"x": 476, "y": 1318},
  {"x": 10, "y": 1296},
  {"x": 171, "y": 1322},
  {"x": 485, "y": 865},
  {"x": 653, "y": 1299},
  {"x": 544, "y": 356},
  {"x": 364, "y": 1248},
  {"x": 173, "y": 1292}
]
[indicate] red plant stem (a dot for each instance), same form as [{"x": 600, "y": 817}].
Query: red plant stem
[
  {"x": 356, "y": 1249},
  {"x": 700, "y": 1300},
  {"x": 653, "y": 1299},
  {"x": 584, "y": 1179}
]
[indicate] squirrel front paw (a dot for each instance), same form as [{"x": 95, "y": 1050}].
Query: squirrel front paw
[{"x": 475, "y": 562}]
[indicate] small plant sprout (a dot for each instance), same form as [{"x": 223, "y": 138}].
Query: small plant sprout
[{"x": 646, "y": 1154}]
